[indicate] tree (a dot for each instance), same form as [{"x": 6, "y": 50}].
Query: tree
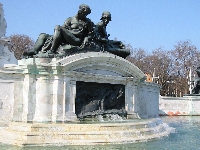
[
  {"x": 21, "y": 43},
  {"x": 159, "y": 61},
  {"x": 184, "y": 56},
  {"x": 172, "y": 67},
  {"x": 138, "y": 57}
]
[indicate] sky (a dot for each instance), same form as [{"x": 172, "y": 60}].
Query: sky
[{"x": 147, "y": 24}]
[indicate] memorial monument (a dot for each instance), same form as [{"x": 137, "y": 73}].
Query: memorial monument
[
  {"x": 73, "y": 75},
  {"x": 6, "y": 56}
]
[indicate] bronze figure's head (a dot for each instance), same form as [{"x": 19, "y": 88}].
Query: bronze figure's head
[
  {"x": 106, "y": 14},
  {"x": 106, "y": 17},
  {"x": 84, "y": 10}
]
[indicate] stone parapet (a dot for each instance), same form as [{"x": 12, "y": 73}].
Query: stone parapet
[{"x": 174, "y": 106}]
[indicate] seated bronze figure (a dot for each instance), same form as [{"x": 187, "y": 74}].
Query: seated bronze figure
[{"x": 78, "y": 34}]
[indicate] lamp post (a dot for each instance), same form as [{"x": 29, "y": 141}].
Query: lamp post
[
  {"x": 170, "y": 81},
  {"x": 190, "y": 78},
  {"x": 190, "y": 81},
  {"x": 154, "y": 77}
]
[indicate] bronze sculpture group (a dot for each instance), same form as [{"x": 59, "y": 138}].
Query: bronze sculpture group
[
  {"x": 196, "y": 82},
  {"x": 78, "y": 34}
]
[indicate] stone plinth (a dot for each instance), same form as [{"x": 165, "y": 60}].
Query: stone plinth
[
  {"x": 44, "y": 89},
  {"x": 38, "y": 100}
]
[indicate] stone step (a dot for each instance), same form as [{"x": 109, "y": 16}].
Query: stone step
[
  {"x": 51, "y": 134},
  {"x": 54, "y": 142},
  {"x": 36, "y": 127},
  {"x": 77, "y": 135}
]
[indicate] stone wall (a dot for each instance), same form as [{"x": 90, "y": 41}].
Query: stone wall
[
  {"x": 42, "y": 89},
  {"x": 148, "y": 104},
  {"x": 6, "y": 101},
  {"x": 187, "y": 105}
]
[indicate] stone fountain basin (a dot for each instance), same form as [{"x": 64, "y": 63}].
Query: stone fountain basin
[{"x": 54, "y": 134}]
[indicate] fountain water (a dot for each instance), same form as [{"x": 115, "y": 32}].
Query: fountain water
[
  {"x": 33, "y": 134},
  {"x": 185, "y": 137}
]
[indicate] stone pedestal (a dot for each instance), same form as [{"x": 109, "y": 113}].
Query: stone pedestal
[{"x": 44, "y": 89}]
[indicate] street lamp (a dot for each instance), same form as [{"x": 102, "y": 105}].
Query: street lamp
[
  {"x": 190, "y": 81},
  {"x": 170, "y": 81},
  {"x": 154, "y": 77}
]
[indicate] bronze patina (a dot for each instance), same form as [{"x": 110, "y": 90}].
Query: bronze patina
[{"x": 78, "y": 34}]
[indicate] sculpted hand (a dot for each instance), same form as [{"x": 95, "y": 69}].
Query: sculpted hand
[
  {"x": 105, "y": 40},
  {"x": 85, "y": 42}
]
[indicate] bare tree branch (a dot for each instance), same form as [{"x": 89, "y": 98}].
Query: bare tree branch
[{"x": 21, "y": 43}]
